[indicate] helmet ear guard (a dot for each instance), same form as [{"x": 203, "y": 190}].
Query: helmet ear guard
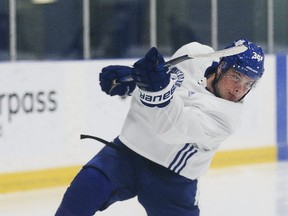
[{"x": 211, "y": 69}]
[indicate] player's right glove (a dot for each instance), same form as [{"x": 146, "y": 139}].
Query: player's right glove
[
  {"x": 152, "y": 78},
  {"x": 149, "y": 73},
  {"x": 113, "y": 80}
]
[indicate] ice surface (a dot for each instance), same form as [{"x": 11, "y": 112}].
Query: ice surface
[{"x": 246, "y": 190}]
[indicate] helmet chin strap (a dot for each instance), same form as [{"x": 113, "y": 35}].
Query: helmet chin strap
[{"x": 244, "y": 95}]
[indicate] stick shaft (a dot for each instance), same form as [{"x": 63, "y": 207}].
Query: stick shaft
[{"x": 217, "y": 54}]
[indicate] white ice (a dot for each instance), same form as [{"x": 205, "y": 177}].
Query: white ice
[{"x": 258, "y": 190}]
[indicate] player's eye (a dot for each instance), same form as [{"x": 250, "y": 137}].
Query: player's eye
[
  {"x": 234, "y": 77},
  {"x": 250, "y": 84}
]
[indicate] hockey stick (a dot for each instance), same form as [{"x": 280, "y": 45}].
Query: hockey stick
[{"x": 217, "y": 54}]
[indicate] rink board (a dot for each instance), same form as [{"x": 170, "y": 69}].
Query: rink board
[
  {"x": 23, "y": 181},
  {"x": 45, "y": 106}
]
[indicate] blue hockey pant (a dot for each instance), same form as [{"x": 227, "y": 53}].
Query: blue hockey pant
[{"x": 114, "y": 175}]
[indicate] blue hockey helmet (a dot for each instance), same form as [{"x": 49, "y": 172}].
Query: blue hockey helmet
[{"x": 249, "y": 62}]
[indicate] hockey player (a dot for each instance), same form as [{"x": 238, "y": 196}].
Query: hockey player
[{"x": 176, "y": 122}]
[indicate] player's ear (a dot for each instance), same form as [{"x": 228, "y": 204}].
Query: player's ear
[
  {"x": 222, "y": 68},
  {"x": 219, "y": 68}
]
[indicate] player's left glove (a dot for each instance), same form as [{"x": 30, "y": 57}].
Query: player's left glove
[{"x": 113, "y": 80}]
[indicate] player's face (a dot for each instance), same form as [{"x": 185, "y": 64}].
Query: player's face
[{"x": 233, "y": 85}]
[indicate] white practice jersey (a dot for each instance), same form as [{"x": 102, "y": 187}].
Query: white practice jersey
[{"x": 184, "y": 135}]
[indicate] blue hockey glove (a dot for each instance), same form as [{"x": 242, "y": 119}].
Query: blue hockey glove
[
  {"x": 113, "y": 80},
  {"x": 149, "y": 73}
]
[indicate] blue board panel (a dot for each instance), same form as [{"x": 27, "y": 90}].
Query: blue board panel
[{"x": 281, "y": 85}]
